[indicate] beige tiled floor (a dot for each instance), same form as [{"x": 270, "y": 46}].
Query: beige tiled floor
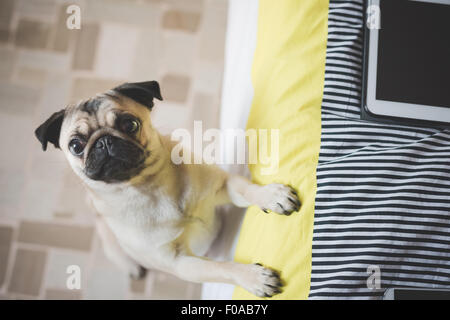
[{"x": 45, "y": 224}]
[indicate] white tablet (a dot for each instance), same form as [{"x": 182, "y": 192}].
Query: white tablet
[{"x": 408, "y": 60}]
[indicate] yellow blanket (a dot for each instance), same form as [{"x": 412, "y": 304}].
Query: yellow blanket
[{"x": 287, "y": 75}]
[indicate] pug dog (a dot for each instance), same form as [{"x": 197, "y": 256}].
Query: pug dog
[{"x": 152, "y": 213}]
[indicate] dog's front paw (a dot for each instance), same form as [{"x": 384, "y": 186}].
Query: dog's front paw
[
  {"x": 279, "y": 198},
  {"x": 262, "y": 282}
]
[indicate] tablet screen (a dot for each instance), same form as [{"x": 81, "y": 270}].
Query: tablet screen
[{"x": 414, "y": 53}]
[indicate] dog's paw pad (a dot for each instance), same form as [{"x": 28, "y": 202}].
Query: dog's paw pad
[{"x": 279, "y": 198}]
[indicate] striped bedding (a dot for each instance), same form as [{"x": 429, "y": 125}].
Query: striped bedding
[{"x": 383, "y": 191}]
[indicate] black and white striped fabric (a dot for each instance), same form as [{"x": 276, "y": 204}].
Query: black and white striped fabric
[{"x": 383, "y": 191}]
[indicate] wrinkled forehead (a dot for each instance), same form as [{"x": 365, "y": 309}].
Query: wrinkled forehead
[
  {"x": 89, "y": 115},
  {"x": 100, "y": 111}
]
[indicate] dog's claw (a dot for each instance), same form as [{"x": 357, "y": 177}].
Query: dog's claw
[
  {"x": 279, "y": 198},
  {"x": 267, "y": 282}
]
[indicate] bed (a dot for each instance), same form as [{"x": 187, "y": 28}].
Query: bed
[{"x": 375, "y": 197}]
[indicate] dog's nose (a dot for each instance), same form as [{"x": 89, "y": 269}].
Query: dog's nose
[{"x": 104, "y": 142}]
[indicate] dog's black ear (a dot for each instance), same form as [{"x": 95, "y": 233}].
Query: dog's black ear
[
  {"x": 141, "y": 92},
  {"x": 49, "y": 131}
]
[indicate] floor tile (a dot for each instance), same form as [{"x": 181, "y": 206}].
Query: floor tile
[
  {"x": 168, "y": 287},
  {"x": 142, "y": 14},
  {"x": 114, "y": 60},
  {"x": 138, "y": 286},
  {"x": 43, "y": 10},
  {"x": 28, "y": 272},
  {"x": 175, "y": 87},
  {"x": 59, "y": 261},
  {"x": 31, "y": 77},
  {"x": 84, "y": 88},
  {"x": 63, "y": 36},
  {"x": 205, "y": 109},
  {"x": 181, "y": 20},
  {"x": 6, "y": 234},
  {"x": 56, "y": 235},
  {"x": 18, "y": 99},
  {"x": 59, "y": 294},
  {"x": 46, "y": 60},
  {"x": 107, "y": 284},
  {"x": 7, "y": 58},
  {"x": 32, "y": 34},
  {"x": 147, "y": 60},
  {"x": 6, "y": 10},
  {"x": 172, "y": 44},
  {"x": 85, "y": 47}
]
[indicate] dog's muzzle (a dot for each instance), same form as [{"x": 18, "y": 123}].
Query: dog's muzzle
[{"x": 113, "y": 159}]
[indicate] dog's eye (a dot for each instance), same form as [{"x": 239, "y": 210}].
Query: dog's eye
[
  {"x": 76, "y": 146},
  {"x": 129, "y": 125}
]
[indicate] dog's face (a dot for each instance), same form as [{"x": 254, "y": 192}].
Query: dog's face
[{"x": 109, "y": 137}]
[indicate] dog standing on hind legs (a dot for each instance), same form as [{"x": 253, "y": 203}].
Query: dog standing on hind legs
[{"x": 151, "y": 212}]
